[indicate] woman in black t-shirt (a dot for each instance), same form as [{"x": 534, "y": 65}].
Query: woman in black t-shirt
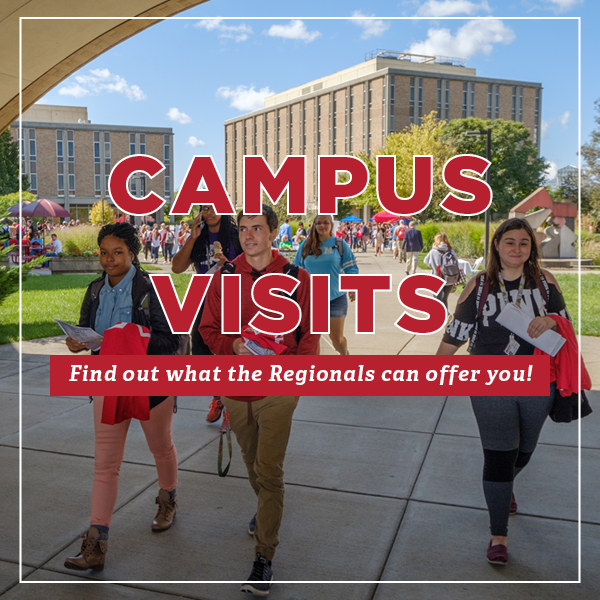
[{"x": 509, "y": 426}]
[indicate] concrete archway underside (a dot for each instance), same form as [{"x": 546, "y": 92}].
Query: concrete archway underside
[{"x": 63, "y": 46}]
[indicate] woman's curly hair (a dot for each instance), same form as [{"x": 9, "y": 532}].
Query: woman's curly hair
[{"x": 125, "y": 232}]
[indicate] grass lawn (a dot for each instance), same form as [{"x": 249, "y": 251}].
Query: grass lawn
[
  {"x": 60, "y": 296},
  {"x": 46, "y": 298}
]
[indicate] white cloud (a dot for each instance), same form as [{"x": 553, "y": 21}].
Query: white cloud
[
  {"x": 294, "y": 30},
  {"x": 448, "y": 8},
  {"x": 245, "y": 99},
  {"x": 545, "y": 126},
  {"x": 180, "y": 117},
  {"x": 475, "y": 37},
  {"x": 563, "y": 5},
  {"x": 371, "y": 27},
  {"x": 565, "y": 118},
  {"x": 551, "y": 171},
  {"x": 101, "y": 80},
  {"x": 195, "y": 142},
  {"x": 238, "y": 32}
]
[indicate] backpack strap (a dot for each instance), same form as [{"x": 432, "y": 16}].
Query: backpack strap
[
  {"x": 228, "y": 268},
  {"x": 293, "y": 271},
  {"x": 542, "y": 285},
  {"x": 483, "y": 290},
  {"x": 339, "y": 244}
]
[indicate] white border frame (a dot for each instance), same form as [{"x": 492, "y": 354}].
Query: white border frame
[{"x": 21, "y": 19}]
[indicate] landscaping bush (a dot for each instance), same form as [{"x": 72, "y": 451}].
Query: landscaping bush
[
  {"x": 83, "y": 238},
  {"x": 466, "y": 237}
]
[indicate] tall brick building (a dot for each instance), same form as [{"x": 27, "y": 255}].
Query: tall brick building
[
  {"x": 68, "y": 159},
  {"x": 354, "y": 109}
]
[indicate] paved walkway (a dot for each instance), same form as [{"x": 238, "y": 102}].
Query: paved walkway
[{"x": 378, "y": 489}]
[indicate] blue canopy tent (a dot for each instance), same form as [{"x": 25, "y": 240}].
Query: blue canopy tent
[{"x": 352, "y": 219}]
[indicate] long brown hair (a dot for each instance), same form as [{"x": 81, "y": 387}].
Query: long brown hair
[
  {"x": 440, "y": 238},
  {"x": 531, "y": 268},
  {"x": 312, "y": 244}
]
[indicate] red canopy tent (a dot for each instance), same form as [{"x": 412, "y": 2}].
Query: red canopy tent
[{"x": 385, "y": 217}]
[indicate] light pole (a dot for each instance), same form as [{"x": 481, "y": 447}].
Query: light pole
[{"x": 488, "y": 178}]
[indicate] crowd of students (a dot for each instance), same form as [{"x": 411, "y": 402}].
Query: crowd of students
[{"x": 244, "y": 245}]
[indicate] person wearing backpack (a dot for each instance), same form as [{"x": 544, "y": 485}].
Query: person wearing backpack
[
  {"x": 261, "y": 424},
  {"x": 444, "y": 263},
  {"x": 122, "y": 295},
  {"x": 509, "y": 426},
  {"x": 322, "y": 253}
]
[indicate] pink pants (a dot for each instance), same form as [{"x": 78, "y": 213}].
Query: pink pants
[{"x": 109, "y": 449}]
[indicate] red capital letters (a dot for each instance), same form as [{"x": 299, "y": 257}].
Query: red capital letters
[
  {"x": 422, "y": 185},
  {"x": 478, "y": 188},
  {"x": 263, "y": 297},
  {"x": 118, "y": 184},
  {"x": 329, "y": 188},
  {"x": 365, "y": 287},
  {"x": 319, "y": 303},
  {"x": 432, "y": 307},
  {"x": 231, "y": 302},
  {"x": 181, "y": 315},
  {"x": 202, "y": 168},
  {"x": 290, "y": 176}
]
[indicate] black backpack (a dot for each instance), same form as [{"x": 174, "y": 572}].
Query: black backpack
[{"x": 449, "y": 269}]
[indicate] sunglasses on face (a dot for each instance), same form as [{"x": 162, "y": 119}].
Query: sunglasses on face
[{"x": 207, "y": 208}]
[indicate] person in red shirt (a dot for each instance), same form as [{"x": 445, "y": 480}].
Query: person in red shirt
[{"x": 261, "y": 424}]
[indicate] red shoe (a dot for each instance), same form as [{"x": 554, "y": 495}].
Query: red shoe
[
  {"x": 497, "y": 555},
  {"x": 225, "y": 423},
  {"x": 513, "y": 506},
  {"x": 214, "y": 411}
]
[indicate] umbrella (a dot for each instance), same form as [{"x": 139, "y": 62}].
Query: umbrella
[
  {"x": 352, "y": 218},
  {"x": 384, "y": 217},
  {"x": 13, "y": 211},
  {"x": 43, "y": 208}
]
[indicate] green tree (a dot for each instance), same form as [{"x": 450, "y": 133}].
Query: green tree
[
  {"x": 96, "y": 213},
  {"x": 9, "y": 165},
  {"x": 426, "y": 138},
  {"x": 9, "y": 200},
  {"x": 590, "y": 188},
  {"x": 516, "y": 170}
]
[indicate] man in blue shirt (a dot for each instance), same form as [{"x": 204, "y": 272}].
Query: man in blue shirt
[{"x": 285, "y": 229}]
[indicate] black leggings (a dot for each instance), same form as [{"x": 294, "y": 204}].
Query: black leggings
[{"x": 509, "y": 430}]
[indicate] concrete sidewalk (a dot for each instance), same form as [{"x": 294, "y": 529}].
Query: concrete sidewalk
[{"x": 378, "y": 489}]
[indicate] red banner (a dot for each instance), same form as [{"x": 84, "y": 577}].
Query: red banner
[{"x": 355, "y": 375}]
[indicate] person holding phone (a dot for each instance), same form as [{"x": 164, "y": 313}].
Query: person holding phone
[{"x": 213, "y": 240}]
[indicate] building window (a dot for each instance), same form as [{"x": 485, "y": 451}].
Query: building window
[
  {"x": 520, "y": 90},
  {"x": 131, "y": 143},
  {"x": 439, "y": 99},
  {"x": 473, "y": 99},
  {"x": 420, "y": 106},
  {"x": 465, "y": 99},
  {"x": 497, "y": 107},
  {"x": 489, "y": 102},
  {"x": 167, "y": 163},
  {"x": 447, "y": 99},
  {"x": 411, "y": 101},
  {"x": 142, "y": 143},
  {"x": 60, "y": 166},
  {"x": 32, "y": 162}
]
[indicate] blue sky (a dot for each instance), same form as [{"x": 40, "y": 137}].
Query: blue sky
[{"x": 192, "y": 75}]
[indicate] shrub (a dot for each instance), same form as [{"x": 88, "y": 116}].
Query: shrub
[
  {"x": 466, "y": 237},
  {"x": 83, "y": 238}
]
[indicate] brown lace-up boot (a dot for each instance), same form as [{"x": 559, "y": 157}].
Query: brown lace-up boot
[
  {"x": 166, "y": 511},
  {"x": 92, "y": 554}
]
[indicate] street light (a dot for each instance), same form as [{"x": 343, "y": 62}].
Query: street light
[{"x": 488, "y": 133}]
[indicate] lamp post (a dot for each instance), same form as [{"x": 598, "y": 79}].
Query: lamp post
[{"x": 488, "y": 133}]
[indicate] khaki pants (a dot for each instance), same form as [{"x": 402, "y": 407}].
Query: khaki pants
[
  {"x": 412, "y": 262},
  {"x": 262, "y": 429}
]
